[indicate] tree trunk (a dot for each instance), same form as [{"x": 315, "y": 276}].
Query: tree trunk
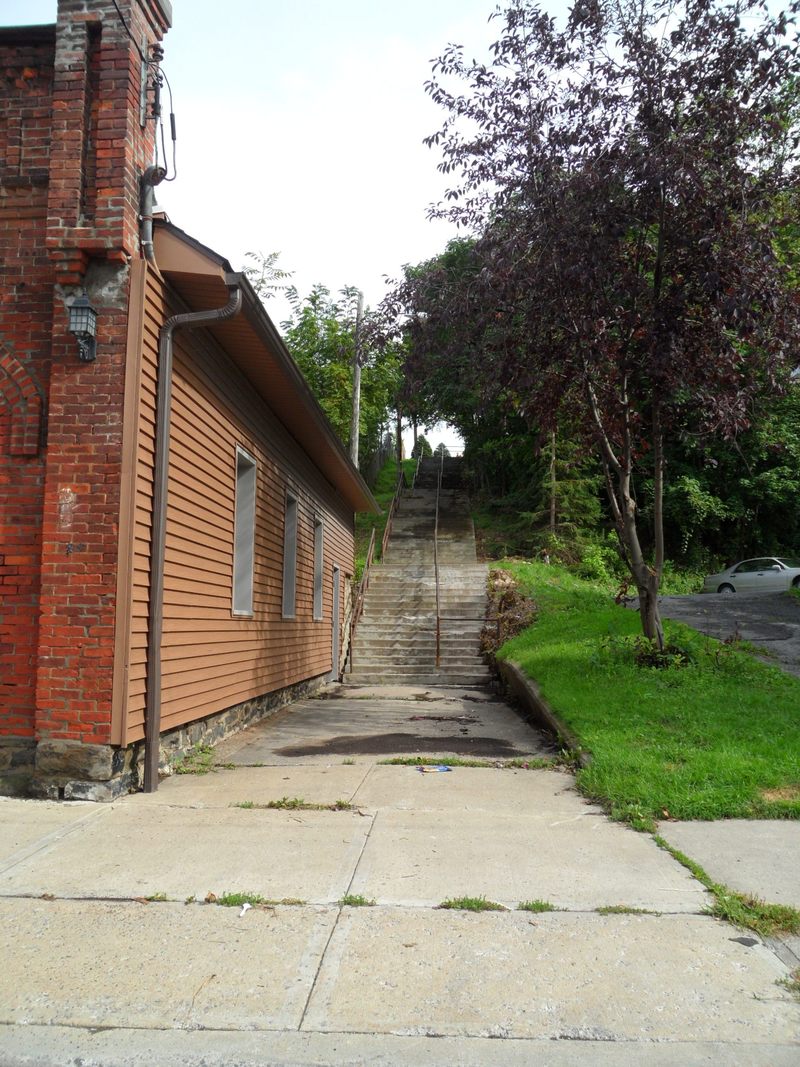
[
  {"x": 553, "y": 484},
  {"x": 648, "y": 611},
  {"x": 619, "y": 472}
]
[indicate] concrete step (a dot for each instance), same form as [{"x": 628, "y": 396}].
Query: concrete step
[
  {"x": 402, "y": 651},
  {"x": 455, "y": 605},
  {"x": 450, "y": 584},
  {"x": 387, "y": 654},
  {"x": 390, "y": 625},
  {"x": 469, "y": 681},
  {"x": 407, "y": 674},
  {"x": 408, "y": 642},
  {"x": 463, "y": 583}
]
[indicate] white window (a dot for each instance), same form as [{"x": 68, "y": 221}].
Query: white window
[
  {"x": 290, "y": 557},
  {"x": 318, "y": 565},
  {"x": 244, "y": 533}
]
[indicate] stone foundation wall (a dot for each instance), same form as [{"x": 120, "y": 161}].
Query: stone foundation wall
[
  {"x": 17, "y": 762},
  {"x": 71, "y": 770}
]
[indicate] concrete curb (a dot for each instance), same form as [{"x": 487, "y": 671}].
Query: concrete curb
[{"x": 526, "y": 692}]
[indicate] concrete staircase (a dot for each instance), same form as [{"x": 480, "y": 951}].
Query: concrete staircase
[{"x": 395, "y": 642}]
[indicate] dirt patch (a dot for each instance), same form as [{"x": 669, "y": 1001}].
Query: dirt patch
[
  {"x": 413, "y": 744},
  {"x": 510, "y": 612},
  {"x": 786, "y": 792}
]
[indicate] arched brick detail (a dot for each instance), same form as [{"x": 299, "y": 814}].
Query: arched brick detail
[{"x": 22, "y": 394}]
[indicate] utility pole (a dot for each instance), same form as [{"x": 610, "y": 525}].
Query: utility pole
[{"x": 356, "y": 383}]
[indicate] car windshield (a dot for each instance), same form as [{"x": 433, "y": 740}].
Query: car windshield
[{"x": 790, "y": 562}]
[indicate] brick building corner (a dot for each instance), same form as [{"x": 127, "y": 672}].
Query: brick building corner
[{"x": 73, "y": 147}]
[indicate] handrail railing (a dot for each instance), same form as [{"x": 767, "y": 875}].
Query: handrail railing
[
  {"x": 416, "y": 471},
  {"x": 361, "y": 594},
  {"x": 392, "y": 510},
  {"x": 436, "y": 563},
  {"x": 363, "y": 585}
]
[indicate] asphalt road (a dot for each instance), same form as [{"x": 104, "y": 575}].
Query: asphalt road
[{"x": 770, "y": 621}]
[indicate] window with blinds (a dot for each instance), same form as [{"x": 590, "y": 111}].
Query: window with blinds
[
  {"x": 290, "y": 557},
  {"x": 244, "y": 533}
]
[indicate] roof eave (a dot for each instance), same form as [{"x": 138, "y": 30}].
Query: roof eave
[{"x": 182, "y": 260}]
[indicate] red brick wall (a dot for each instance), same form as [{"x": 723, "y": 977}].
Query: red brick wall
[
  {"x": 26, "y": 294},
  {"x": 68, "y": 222}
]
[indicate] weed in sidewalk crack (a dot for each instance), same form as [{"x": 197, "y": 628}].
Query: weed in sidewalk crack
[
  {"x": 198, "y": 760},
  {"x": 471, "y": 904},
  {"x": 293, "y": 804},
  {"x": 792, "y": 983},
  {"x": 740, "y": 909},
  {"x": 624, "y": 909},
  {"x": 255, "y": 900},
  {"x": 537, "y": 905}
]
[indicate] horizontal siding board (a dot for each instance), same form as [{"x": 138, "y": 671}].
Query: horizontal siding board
[{"x": 212, "y": 659}]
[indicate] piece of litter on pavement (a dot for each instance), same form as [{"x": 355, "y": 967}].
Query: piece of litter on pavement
[
  {"x": 245, "y": 908},
  {"x": 433, "y": 770}
]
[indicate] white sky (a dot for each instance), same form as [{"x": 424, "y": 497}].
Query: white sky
[{"x": 300, "y": 130}]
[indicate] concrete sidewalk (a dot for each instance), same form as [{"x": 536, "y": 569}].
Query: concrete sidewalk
[{"x": 95, "y": 974}]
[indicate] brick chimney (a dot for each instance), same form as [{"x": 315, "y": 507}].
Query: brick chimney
[{"x": 102, "y": 128}]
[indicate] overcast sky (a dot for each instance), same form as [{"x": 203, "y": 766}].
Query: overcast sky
[{"x": 300, "y": 129}]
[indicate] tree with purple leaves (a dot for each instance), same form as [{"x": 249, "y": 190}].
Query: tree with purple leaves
[{"x": 628, "y": 182}]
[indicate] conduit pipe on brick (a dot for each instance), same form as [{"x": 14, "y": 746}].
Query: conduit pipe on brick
[
  {"x": 189, "y": 320},
  {"x": 152, "y": 177}
]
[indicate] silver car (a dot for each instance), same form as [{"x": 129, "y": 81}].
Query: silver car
[{"x": 770, "y": 574}]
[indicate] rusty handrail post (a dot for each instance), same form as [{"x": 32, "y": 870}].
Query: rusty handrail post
[{"x": 436, "y": 563}]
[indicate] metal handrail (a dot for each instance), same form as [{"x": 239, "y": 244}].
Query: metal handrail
[
  {"x": 358, "y": 605},
  {"x": 416, "y": 472},
  {"x": 392, "y": 510},
  {"x": 436, "y": 563},
  {"x": 363, "y": 585}
]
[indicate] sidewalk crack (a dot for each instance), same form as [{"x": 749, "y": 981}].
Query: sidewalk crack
[{"x": 324, "y": 952}]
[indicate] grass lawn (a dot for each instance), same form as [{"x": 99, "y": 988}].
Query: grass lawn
[
  {"x": 716, "y": 737},
  {"x": 383, "y": 491}
]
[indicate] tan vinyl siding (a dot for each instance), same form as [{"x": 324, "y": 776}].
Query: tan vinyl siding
[{"x": 212, "y": 659}]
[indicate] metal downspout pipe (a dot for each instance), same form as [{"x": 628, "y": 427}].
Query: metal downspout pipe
[
  {"x": 152, "y": 177},
  {"x": 191, "y": 320}
]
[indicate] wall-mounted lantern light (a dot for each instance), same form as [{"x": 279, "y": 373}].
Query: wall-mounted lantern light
[{"x": 83, "y": 323}]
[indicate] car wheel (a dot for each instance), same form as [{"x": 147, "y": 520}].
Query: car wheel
[
  {"x": 796, "y": 583},
  {"x": 726, "y": 590}
]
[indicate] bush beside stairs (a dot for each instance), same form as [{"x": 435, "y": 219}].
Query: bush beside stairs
[{"x": 395, "y": 641}]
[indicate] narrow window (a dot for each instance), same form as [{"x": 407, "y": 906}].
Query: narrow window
[
  {"x": 290, "y": 557},
  {"x": 318, "y": 568},
  {"x": 244, "y": 534}
]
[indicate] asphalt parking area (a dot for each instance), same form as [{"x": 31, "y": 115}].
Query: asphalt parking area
[{"x": 770, "y": 621}]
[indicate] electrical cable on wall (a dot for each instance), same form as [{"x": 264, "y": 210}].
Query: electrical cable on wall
[
  {"x": 159, "y": 78},
  {"x": 173, "y": 132}
]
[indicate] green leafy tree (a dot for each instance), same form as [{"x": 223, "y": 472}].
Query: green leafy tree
[
  {"x": 421, "y": 447},
  {"x": 264, "y": 274},
  {"x": 320, "y": 334}
]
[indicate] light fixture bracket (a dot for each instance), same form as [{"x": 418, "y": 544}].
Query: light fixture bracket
[{"x": 83, "y": 324}]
